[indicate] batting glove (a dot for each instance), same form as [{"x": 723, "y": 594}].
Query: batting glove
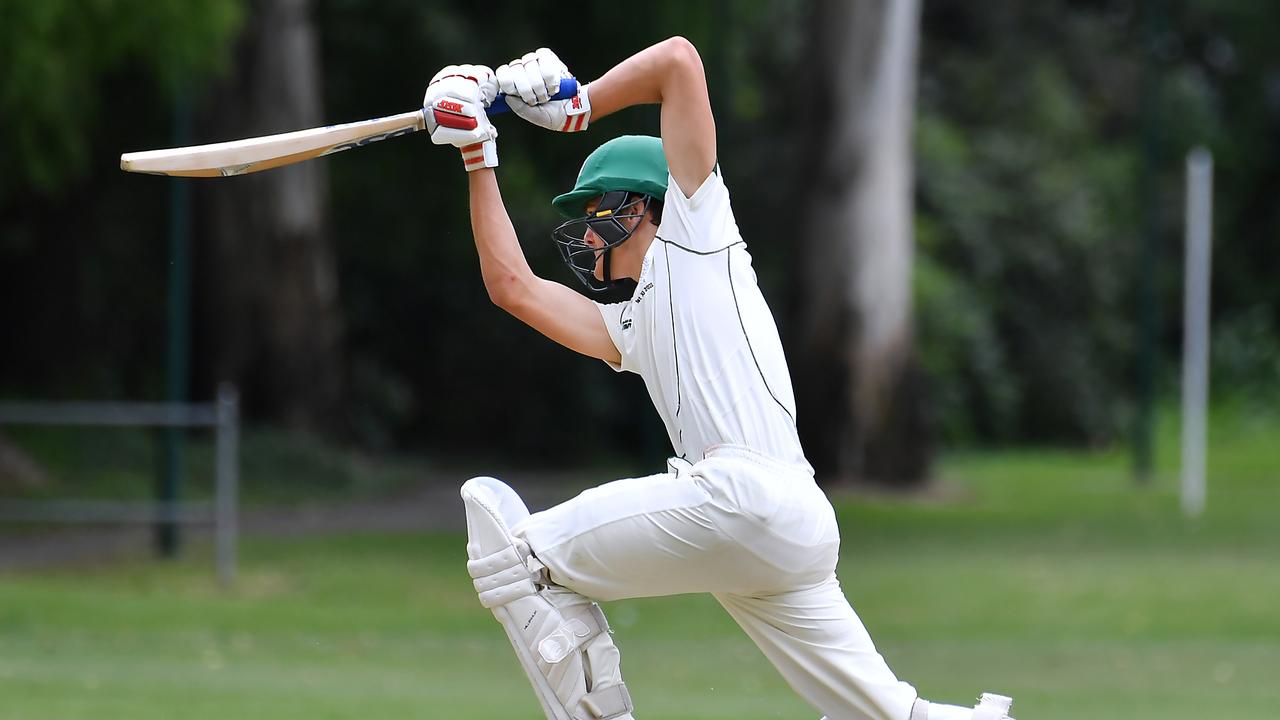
[
  {"x": 454, "y": 111},
  {"x": 531, "y": 80}
]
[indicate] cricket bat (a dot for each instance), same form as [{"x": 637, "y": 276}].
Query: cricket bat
[{"x": 238, "y": 157}]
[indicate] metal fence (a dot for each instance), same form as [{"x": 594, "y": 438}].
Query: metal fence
[{"x": 223, "y": 416}]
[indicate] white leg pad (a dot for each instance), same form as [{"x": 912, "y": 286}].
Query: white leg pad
[{"x": 560, "y": 637}]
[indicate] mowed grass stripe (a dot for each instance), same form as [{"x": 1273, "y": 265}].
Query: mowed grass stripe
[{"x": 1046, "y": 575}]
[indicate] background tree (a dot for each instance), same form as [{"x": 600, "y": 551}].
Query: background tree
[
  {"x": 1023, "y": 265},
  {"x": 272, "y": 313},
  {"x": 862, "y": 410}
]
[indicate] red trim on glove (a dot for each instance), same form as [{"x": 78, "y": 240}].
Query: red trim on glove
[{"x": 446, "y": 116}]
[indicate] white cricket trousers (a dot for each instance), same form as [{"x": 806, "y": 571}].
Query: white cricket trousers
[{"x": 758, "y": 535}]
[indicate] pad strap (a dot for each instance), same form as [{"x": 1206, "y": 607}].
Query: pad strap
[
  {"x": 565, "y": 640},
  {"x": 573, "y": 635},
  {"x": 609, "y": 703}
]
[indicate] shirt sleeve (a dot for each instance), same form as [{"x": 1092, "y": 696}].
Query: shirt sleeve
[
  {"x": 703, "y": 222},
  {"x": 612, "y": 314}
]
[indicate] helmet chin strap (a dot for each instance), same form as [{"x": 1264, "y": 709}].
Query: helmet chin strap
[{"x": 608, "y": 257}]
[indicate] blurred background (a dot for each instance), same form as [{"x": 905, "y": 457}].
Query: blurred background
[{"x": 968, "y": 219}]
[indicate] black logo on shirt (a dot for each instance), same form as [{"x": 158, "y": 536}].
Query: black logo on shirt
[{"x": 643, "y": 290}]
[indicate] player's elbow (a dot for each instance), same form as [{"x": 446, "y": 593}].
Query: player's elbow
[
  {"x": 501, "y": 295},
  {"x": 682, "y": 55},
  {"x": 518, "y": 305},
  {"x": 506, "y": 291}
]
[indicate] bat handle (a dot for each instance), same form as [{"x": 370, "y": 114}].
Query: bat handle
[{"x": 568, "y": 88}]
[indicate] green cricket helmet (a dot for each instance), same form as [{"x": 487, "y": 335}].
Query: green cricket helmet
[{"x": 615, "y": 172}]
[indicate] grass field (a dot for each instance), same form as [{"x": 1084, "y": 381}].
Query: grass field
[{"x": 1042, "y": 574}]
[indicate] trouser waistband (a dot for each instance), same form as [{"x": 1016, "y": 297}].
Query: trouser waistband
[{"x": 745, "y": 453}]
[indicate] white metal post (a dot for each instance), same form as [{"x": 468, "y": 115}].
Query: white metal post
[
  {"x": 1195, "y": 338},
  {"x": 228, "y": 481}
]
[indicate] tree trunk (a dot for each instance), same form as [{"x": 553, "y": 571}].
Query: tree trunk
[
  {"x": 863, "y": 405},
  {"x": 273, "y": 318}
]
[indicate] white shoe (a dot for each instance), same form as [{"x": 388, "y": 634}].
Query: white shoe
[{"x": 992, "y": 707}]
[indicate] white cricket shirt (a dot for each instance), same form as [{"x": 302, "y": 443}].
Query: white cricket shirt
[{"x": 699, "y": 332}]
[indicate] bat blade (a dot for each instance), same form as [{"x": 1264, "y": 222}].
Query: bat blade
[{"x": 238, "y": 157}]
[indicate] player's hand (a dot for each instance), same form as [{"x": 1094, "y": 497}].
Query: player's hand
[
  {"x": 530, "y": 81},
  {"x": 534, "y": 77},
  {"x": 453, "y": 109}
]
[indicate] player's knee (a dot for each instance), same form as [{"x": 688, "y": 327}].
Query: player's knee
[
  {"x": 560, "y": 638},
  {"x": 500, "y": 565},
  {"x": 504, "y": 500}
]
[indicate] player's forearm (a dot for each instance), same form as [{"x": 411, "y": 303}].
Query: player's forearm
[
  {"x": 645, "y": 78},
  {"x": 503, "y": 265}
]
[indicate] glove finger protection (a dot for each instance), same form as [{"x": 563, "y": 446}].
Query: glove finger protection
[
  {"x": 534, "y": 77},
  {"x": 453, "y": 112},
  {"x": 553, "y": 70},
  {"x": 513, "y": 80},
  {"x": 482, "y": 75}
]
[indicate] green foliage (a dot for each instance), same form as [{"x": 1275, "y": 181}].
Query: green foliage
[
  {"x": 54, "y": 55},
  {"x": 1026, "y": 224},
  {"x": 961, "y": 352},
  {"x": 1246, "y": 358},
  {"x": 1030, "y": 152}
]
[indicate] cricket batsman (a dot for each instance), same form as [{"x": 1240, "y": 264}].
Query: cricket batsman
[{"x": 737, "y": 512}]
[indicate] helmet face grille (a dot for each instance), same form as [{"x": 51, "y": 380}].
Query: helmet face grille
[{"x": 586, "y": 240}]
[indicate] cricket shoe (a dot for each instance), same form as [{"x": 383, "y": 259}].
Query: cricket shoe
[{"x": 992, "y": 707}]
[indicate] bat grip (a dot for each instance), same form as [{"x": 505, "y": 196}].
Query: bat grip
[{"x": 568, "y": 88}]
